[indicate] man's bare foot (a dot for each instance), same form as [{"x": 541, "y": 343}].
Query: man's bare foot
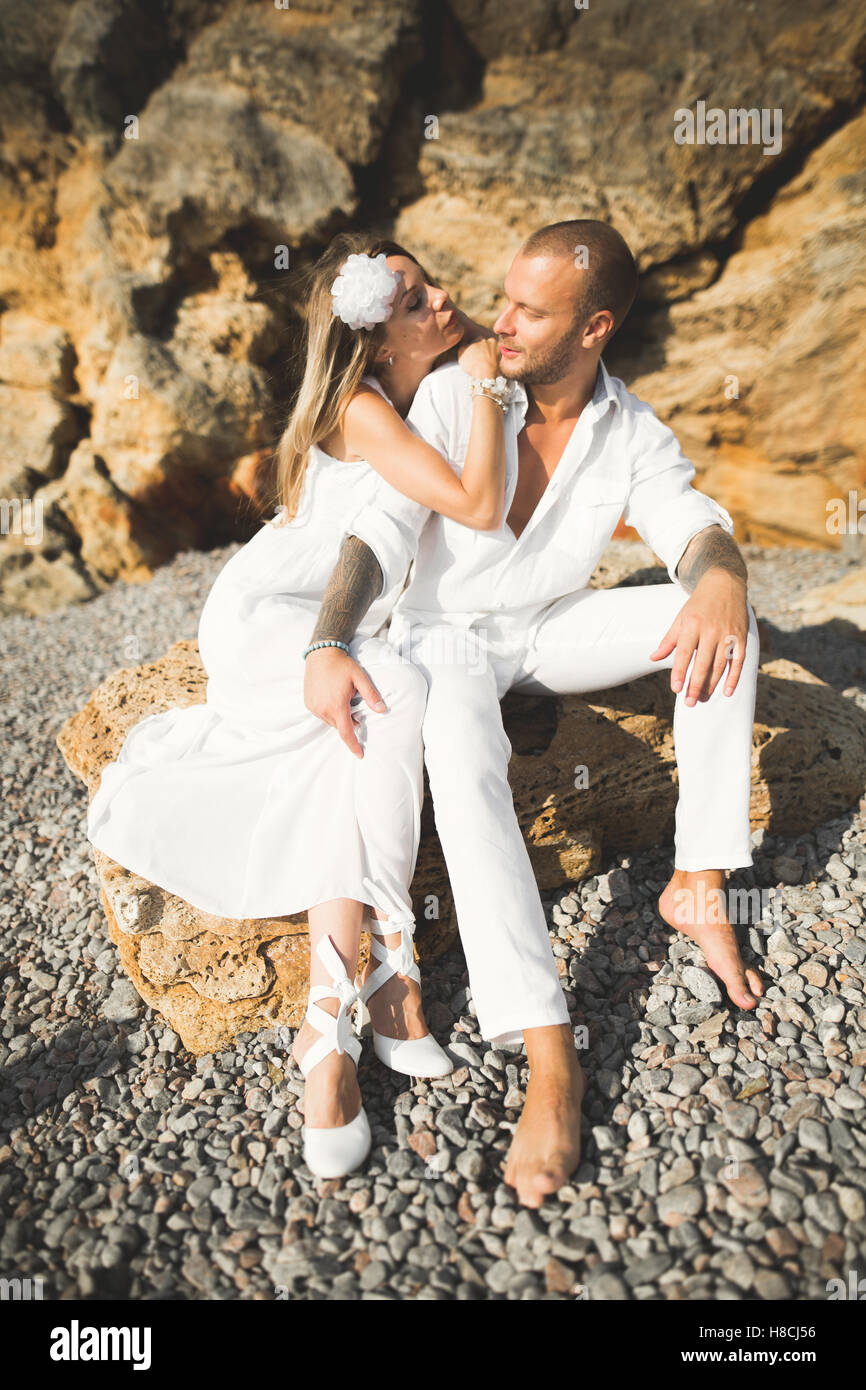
[
  {"x": 395, "y": 1008},
  {"x": 545, "y": 1149},
  {"x": 331, "y": 1093},
  {"x": 695, "y": 904}
]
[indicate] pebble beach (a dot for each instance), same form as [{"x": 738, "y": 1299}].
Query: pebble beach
[{"x": 724, "y": 1152}]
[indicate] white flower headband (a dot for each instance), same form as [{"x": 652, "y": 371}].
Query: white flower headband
[{"x": 362, "y": 294}]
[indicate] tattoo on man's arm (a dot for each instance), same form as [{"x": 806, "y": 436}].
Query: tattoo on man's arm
[
  {"x": 356, "y": 581},
  {"x": 710, "y": 549}
]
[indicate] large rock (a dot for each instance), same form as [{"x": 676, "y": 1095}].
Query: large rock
[
  {"x": 840, "y": 605},
  {"x": 738, "y": 352},
  {"x": 166, "y": 165},
  {"x": 204, "y": 154},
  {"x": 747, "y": 373},
  {"x": 585, "y": 128},
  {"x": 494, "y": 29},
  {"x": 212, "y": 978}
]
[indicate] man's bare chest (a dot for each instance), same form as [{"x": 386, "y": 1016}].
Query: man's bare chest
[{"x": 538, "y": 454}]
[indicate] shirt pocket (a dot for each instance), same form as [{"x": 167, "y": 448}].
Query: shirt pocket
[
  {"x": 592, "y": 518},
  {"x": 602, "y": 499}
]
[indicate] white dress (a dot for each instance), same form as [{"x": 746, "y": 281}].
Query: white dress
[{"x": 249, "y": 805}]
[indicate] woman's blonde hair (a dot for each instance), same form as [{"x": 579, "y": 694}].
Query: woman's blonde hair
[{"x": 337, "y": 357}]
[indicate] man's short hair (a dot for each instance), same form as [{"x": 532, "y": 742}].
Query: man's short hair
[{"x": 611, "y": 273}]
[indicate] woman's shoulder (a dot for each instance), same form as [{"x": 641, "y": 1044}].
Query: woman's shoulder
[
  {"x": 370, "y": 393},
  {"x": 368, "y": 406},
  {"x": 375, "y": 385},
  {"x": 365, "y": 408}
]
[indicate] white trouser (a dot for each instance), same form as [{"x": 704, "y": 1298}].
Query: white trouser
[
  {"x": 587, "y": 641},
  {"x": 388, "y": 783}
]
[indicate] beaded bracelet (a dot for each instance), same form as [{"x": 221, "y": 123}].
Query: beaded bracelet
[{"x": 329, "y": 642}]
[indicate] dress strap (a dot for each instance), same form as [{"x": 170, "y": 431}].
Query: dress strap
[{"x": 373, "y": 381}]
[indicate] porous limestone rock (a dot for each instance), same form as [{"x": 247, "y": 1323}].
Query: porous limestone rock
[{"x": 212, "y": 977}]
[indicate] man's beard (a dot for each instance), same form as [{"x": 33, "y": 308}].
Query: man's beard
[{"x": 544, "y": 368}]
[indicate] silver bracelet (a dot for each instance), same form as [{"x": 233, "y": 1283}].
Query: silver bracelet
[
  {"x": 328, "y": 642},
  {"x": 499, "y": 389},
  {"x": 503, "y": 405}
]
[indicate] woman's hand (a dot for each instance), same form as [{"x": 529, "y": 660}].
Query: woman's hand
[
  {"x": 481, "y": 358},
  {"x": 472, "y": 331},
  {"x": 373, "y": 430}
]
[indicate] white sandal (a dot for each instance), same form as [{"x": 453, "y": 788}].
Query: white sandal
[
  {"x": 412, "y": 1056},
  {"x": 331, "y": 1153}
]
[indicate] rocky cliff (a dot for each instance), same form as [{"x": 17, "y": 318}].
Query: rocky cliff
[{"x": 166, "y": 166}]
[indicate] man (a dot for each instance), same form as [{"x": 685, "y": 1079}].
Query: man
[{"x": 485, "y": 612}]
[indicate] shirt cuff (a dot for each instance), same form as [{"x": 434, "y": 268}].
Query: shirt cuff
[
  {"x": 384, "y": 537},
  {"x": 686, "y": 522}
]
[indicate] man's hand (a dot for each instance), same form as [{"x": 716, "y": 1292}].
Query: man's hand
[
  {"x": 331, "y": 680},
  {"x": 331, "y": 676},
  {"x": 714, "y": 622}
]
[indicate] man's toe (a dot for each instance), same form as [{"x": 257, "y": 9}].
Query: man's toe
[
  {"x": 738, "y": 989},
  {"x": 754, "y": 981},
  {"x": 529, "y": 1195},
  {"x": 549, "y": 1180}
]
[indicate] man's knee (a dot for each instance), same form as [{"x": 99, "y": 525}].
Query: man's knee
[
  {"x": 464, "y": 741},
  {"x": 401, "y": 685}
]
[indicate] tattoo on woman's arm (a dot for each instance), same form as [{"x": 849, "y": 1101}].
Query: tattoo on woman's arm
[
  {"x": 710, "y": 549},
  {"x": 356, "y": 581}
]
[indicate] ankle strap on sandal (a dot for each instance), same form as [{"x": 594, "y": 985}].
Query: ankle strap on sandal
[
  {"x": 394, "y": 960},
  {"x": 336, "y": 1031}
]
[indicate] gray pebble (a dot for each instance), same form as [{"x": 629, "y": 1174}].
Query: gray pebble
[
  {"x": 702, "y": 985},
  {"x": 740, "y": 1119},
  {"x": 123, "y": 1003},
  {"x": 685, "y": 1080},
  {"x": 812, "y": 1135}
]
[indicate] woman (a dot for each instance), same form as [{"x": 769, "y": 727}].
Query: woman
[{"x": 248, "y": 806}]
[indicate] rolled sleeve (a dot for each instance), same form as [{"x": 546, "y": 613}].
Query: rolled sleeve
[
  {"x": 663, "y": 507},
  {"x": 390, "y": 525},
  {"x": 698, "y": 512}
]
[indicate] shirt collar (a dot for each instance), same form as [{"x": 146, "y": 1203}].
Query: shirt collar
[
  {"x": 604, "y": 387},
  {"x": 603, "y": 393}
]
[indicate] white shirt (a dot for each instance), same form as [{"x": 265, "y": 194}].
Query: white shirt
[{"x": 620, "y": 460}]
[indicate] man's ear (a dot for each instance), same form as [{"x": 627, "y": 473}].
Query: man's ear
[{"x": 599, "y": 329}]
